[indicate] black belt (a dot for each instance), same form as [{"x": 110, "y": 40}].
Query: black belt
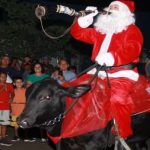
[
  {"x": 128, "y": 66},
  {"x": 106, "y": 68}
]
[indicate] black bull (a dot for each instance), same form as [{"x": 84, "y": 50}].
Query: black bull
[{"x": 46, "y": 100}]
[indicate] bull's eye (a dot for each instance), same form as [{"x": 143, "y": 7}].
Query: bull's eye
[{"x": 45, "y": 98}]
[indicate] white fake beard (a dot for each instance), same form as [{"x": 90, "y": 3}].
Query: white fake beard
[{"x": 115, "y": 22}]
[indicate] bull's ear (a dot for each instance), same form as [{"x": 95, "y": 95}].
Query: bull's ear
[{"x": 77, "y": 91}]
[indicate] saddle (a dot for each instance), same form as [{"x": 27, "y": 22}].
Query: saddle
[{"x": 92, "y": 111}]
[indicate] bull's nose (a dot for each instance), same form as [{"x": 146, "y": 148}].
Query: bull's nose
[{"x": 23, "y": 124}]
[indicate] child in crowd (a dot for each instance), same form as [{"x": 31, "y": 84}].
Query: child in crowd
[
  {"x": 6, "y": 95},
  {"x": 63, "y": 73},
  {"x": 17, "y": 105}
]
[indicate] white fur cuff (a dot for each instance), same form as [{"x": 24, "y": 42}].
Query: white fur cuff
[
  {"x": 84, "y": 22},
  {"x": 87, "y": 20}
]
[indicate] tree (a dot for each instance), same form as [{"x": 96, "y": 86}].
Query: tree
[{"x": 20, "y": 34}]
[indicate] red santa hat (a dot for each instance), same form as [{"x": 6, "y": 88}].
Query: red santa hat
[{"x": 125, "y": 3}]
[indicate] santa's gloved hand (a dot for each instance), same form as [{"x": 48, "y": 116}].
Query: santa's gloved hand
[
  {"x": 87, "y": 20},
  {"x": 105, "y": 59}
]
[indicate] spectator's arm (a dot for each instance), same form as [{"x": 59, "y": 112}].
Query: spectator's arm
[{"x": 28, "y": 84}]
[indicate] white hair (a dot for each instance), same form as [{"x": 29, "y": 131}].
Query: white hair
[{"x": 116, "y": 22}]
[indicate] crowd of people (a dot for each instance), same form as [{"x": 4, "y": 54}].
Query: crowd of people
[{"x": 15, "y": 78}]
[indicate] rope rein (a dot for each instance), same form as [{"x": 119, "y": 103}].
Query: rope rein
[{"x": 58, "y": 118}]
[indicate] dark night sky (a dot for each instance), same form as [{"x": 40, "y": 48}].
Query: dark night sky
[
  {"x": 141, "y": 5},
  {"x": 142, "y": 12}
]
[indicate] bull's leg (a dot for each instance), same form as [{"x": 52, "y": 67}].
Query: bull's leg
[
  {"x": 58, "y": 145},
  {"x": 134, "y": 146},
  {"x": 118, "y": 145},
  {"x": 51, "y": 144},
  {"x": 67, "y": 144},
  {"x": 140, "y": 145}
]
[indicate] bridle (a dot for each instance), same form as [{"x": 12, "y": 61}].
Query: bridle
[
  {"x": 61, "y": 116},
  {"x": 98, "y": 67}
]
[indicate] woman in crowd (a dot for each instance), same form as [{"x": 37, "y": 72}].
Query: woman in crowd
[{"x": 38, "y": 75}]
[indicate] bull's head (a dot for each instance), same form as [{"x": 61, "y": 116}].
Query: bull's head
[{"x": 45, "y": 101}]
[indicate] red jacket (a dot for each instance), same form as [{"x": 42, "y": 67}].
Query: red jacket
[
  {"x": 93, "y": 110},
  {"x": 125, "y": 46}
]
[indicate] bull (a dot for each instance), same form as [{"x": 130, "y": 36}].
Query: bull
[{"x": 46, "y": 100}]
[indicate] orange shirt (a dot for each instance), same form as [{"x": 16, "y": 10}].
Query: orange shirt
[{"x": 18, "y": 102}]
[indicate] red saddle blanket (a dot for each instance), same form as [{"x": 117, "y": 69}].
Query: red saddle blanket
[{"x": 92, "y": 111}]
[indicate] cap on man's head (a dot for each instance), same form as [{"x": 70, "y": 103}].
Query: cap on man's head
[{"x": 127, "y": 3}]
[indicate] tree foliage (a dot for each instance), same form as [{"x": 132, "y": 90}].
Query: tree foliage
[{"x": 20, "y": 35}]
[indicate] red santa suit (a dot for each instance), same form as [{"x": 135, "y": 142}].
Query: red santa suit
[
  {"x": 125, "y": 48},
  {"x": 100, "y": 105}
]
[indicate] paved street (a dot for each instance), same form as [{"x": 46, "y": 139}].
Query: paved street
[
  {"x": 27, "y": 146},
  {"x": 37, "y": 145},
  {"x": 21, "y": 145}
]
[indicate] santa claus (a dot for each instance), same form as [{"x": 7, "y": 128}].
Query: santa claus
[{"x": 117, "y": 42}]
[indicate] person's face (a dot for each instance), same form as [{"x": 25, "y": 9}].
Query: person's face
[
  {"x": 63, "y": 65},
  {"x": 27, "y": 67},
  {"x": 19, "y": 83},
  {"x": 5, "y": 61},
  {"x": 113, "y": 8},
  {"x": 3, "y": 78},
  {"x": 37, "y": 68},
  {"x": 26, "y": 59}
]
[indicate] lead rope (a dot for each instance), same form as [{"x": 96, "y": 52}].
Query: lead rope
[
  {"x": 89, "y": 82},
  {"x": 122, "y": 141},
  {"x": 61, "y": 116},
  {"x": 95, "y": 76}
]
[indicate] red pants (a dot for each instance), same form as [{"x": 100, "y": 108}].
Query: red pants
[{"x": 121, "y": 104}]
